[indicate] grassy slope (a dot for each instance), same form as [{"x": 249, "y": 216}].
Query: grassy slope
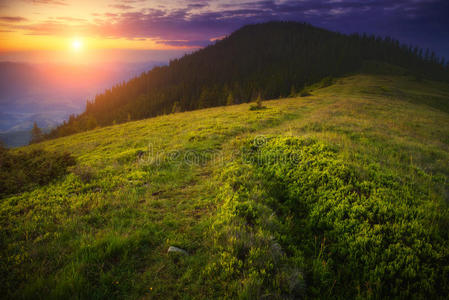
[{"x": 108, "y": 235}]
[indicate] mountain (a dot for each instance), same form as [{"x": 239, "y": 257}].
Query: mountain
[
  {"x": 342, "y": 194},
  {"x": 17, "y": 129},
  {"x": 273, "y": 59},
  {"x": 52, "y": 93}
]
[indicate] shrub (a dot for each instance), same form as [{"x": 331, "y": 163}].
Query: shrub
[
  {"x": 256, "y": 107},
  {"x": 326, "y": 81},
  {"x": 348, "y": 235},
  {"x": 249, "y": 259},
  {"x": 259, "y": 105},
  {"x": 84, "y": 173},
  {"x": 23, "y": 170},
  {"x": 304, "y": 93}
]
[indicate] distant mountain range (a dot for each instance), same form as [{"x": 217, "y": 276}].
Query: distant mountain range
[{"x": 48, "y": 93}]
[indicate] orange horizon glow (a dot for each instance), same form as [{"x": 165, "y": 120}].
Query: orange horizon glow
[
  {"x": 71, "y": 27},
  {"x": 18, "y": 42},
  {"x": 92, "y": 50}
]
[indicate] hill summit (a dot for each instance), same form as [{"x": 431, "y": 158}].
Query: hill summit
[{"x": 270, "y": 60}]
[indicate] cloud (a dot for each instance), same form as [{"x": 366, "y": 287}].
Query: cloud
[
  {"x": 217, "y": 38},
  {"x": 11, "y": 19},
  {"x": 184, "y": 43},
  {"x": 197, "y": 5},
  {"x": 51, "y": 2},
  {"x": 71, "y": 19},
  {"x": 55, "y": 28},
  {"x": 195, "y": 22},
  {"x": 339, "y": 11},
  {"x": 121, "y": 6},
  {"x": 132, "y": 1}
]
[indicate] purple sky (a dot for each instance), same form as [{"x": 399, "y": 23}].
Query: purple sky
[{"x": 195, "y": 23}]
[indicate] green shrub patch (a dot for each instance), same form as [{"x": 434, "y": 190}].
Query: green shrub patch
[{"x": 298, "y": 221}]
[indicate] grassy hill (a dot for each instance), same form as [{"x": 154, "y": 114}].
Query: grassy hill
[
  {"x": 268, "y": 60},
  {"x": 340, "y": 194}
]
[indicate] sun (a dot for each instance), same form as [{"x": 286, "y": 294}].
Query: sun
[{"x": 77, "y": 45}]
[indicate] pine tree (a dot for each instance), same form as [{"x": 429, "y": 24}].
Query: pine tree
[
  {"x": 91, "y": 123},
  {"x": 2, "y": 148},
  {"x": 230, "y": 99},
  {"x": 176, "y": 107},
  {"x": 259, "y": 101},
  {"x": 36, "y": 134},
  {"x": 204, "y": 98},
  {"x": 293, "y": 91}
]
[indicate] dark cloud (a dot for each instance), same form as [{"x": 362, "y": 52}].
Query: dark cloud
[
  {"x": 12, "y": 19},
  {"x": 184, "y": 43},
  {"x": 197, "y": 5},
  {"x": 121, "y": 6}
]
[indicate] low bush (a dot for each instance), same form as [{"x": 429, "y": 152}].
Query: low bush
[
  {"x": 304, "y": 93},
  {"x": 85, "y": 173},
  {"x": 21, "y": 171},
  {"x": 259, "y": 104},
  {"x": 256, "y": 107},
  {"x": 327, "y": 81},
  {"x": 297, "y": 220}
]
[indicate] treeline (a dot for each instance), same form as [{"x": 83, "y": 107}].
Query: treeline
[{"x": 274, "y": 59}]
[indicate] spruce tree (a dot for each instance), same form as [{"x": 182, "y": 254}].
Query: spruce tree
[
  {"x": 259, "y": 101},
  {"x": 292, "y": 91},
  {"x": 230, "y": 99},
  {"x": 176, "y": 107},
  {"x": 36, "y": 134}
]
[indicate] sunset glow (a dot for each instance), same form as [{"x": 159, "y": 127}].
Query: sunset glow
[
  {"x": 30, "y": 25},
  {"x": 77, "y": 45}
]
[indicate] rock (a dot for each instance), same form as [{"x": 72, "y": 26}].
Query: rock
[
  {"x": 156, "y": 193},
  {"x": 140, "y": 153},
  {"x": 173, "y": 249}
]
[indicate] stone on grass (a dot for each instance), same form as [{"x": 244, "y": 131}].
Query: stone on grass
[{"x": 173, "y": 249}]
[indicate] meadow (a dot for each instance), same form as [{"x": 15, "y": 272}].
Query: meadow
[{"x": 340, "y": 194}]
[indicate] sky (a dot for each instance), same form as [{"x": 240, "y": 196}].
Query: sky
[{"x": 88, "y": 30}]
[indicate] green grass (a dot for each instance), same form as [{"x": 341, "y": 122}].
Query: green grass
[{"x": 103, "y": 230}]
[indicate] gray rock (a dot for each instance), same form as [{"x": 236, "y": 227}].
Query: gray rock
[{"x": 173, "y": 249}]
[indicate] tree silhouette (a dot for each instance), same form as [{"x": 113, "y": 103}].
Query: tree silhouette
[
  {"x": 36, "y": 134},
  {"x": 230, "y": 99},
  {"x": 259, "y": 101}
]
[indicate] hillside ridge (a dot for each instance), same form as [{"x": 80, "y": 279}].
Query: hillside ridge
[
  {"x": 270, "y": 60},
  {"x": 365, "y": 157}
]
